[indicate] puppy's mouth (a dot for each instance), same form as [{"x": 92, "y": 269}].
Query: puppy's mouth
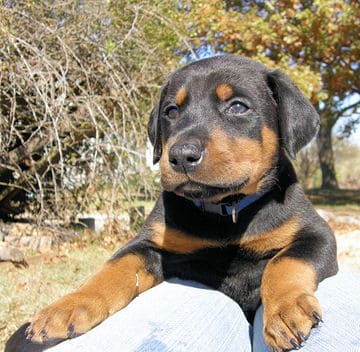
[{"x": 209, "y": 193}]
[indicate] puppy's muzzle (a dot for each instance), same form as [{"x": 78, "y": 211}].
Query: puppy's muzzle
[{"x": 186, "y": 157}]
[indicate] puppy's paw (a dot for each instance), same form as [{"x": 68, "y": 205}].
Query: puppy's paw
[
  {"x": 288, "y": 321},
  {"x": 70, "y": 316}
]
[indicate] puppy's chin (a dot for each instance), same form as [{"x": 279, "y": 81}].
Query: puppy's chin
[{"x": 208, "y": 193}]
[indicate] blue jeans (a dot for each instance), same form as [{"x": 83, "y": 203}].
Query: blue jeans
[{"x": 187, "y": 316}]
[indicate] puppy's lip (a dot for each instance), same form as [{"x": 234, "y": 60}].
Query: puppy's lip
[
  {"x": 226, "y": 187},
  {"x": 200, "y": 191}
]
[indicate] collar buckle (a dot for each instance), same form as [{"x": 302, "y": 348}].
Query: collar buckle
[{"x": 234, "y": 213}]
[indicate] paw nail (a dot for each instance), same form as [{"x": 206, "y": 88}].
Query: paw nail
[
  {"x": 71, "y": 331},
  {"x": 43, "y": 335},
  {"x": 301, "y": 337},
  {"x": 295, "y": 344},
  {"x": 317, "y": 317},
  {"x": 29, "y": 333}
]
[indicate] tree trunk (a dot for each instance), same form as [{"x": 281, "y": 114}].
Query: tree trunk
[{"x": 326, "y": 156}]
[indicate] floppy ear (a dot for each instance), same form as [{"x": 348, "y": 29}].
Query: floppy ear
[
  {"x": 298, "y": 120},
  {"x": 154, "y": 127}
]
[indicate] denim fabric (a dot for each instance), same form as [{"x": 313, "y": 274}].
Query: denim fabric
[{"x": 181, "y": 316}]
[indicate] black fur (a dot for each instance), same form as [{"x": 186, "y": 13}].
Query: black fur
[{"x": 298, "y": 119}]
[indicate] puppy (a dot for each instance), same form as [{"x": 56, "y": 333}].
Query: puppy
[{"x": 232, "y": 214}]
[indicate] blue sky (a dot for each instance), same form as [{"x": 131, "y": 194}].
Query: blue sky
[{"x": 355, "y": 136}]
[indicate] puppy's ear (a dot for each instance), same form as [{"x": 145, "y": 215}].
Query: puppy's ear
[
  {"x": 298, "y": 120},
  {"x": 154, "y": 126}
]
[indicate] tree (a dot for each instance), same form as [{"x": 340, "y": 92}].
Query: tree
[
  {"x": 315, "y": 42},
  {"x": 78, "y": 80}
]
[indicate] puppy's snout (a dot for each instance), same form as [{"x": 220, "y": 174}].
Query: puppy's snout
[{"x": 186, "y": 157}]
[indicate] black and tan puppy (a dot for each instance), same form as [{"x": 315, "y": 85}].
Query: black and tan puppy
[{"x": 232, "y": 214}]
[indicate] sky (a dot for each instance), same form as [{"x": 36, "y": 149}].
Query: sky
[{"x": 355, "y": 136}]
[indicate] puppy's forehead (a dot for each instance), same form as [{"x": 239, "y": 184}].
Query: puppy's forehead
[{"x": 220, "y": 81}]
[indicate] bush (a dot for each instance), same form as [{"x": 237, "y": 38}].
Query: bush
[{"x": 78, "y": 81}]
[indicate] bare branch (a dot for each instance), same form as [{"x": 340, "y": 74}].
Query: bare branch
[
  {"x": 342, "y": 111},
  {"x": 72, "y": 107}
]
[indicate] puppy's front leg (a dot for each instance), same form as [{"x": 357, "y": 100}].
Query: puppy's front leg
[
  {"x": 109, "y": 290},
  {"x": 290, "y": 307},
  {"x": 289, "y": 282}
]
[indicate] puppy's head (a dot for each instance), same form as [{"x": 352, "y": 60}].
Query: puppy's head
[{"x": 221, "y": 124}]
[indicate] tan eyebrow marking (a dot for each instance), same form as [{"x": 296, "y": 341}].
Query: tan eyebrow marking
[
  {"x": 224, "y": 91},
  {"x": 180, "y": 96}
]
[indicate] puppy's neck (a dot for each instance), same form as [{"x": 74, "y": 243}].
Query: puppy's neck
[{"x": 230, "y": 206}]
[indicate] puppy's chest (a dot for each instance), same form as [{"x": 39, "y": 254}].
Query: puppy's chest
[
  {"x": 229, "y": 269},
  {"x": 213, "y": 242},
  {"x": 217, "y": 263}
]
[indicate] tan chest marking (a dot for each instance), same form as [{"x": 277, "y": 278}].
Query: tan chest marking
[
  {"x": 176, "y": 241},
  {"x": 276, "y": 238}
]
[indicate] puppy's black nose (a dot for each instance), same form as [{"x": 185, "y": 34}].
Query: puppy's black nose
[{"x": 185, "y": 157}]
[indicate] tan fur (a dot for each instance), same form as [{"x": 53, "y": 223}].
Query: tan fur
[
  {"x": 286, "y": 274},
  {"x": 117, "y": 280},
  {"x": 287, "y": 293},
  {"x": 180, "y": 96},
  {"x": 226, "y": 161},
  {"x": 224, "y": 91},
  {"x": 177, "y": 241},
  {"x": 276, "y": 238},
  {"x": 106, "y": 292},
  {"x": 230, "y": 159}
]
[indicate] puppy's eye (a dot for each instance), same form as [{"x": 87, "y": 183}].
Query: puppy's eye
[
  {"x": 237, "y": 108},
  {"x": 172, "y": 112}
]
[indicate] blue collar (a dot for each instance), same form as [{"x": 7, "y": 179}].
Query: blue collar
[{"x": 227, "y": 209}]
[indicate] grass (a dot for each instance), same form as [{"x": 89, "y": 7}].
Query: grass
[{"x": 342, "y": 200}]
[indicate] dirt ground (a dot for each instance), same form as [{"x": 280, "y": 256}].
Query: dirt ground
[
  {"x": 341, "y": 209},
  {"x": 347, "y": 233}
]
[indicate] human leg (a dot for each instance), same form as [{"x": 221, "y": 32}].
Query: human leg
[{"x": 173, "y": 316}]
